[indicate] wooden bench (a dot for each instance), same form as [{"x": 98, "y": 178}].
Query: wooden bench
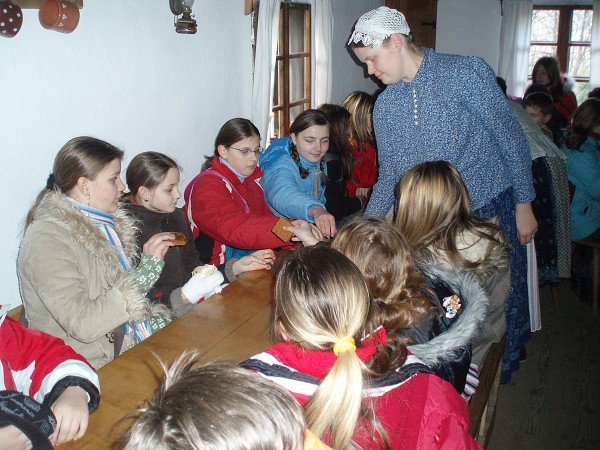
[{"x": 482, "y": 407}]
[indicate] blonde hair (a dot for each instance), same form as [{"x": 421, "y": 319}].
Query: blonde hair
[
  {"x": 434, "y": 210},
  {"x": 360, "y": 106},
  {"x": 320, "y": 299},
  {"x": 384, "y": 258},
  {"x": 217, "y": 406}
]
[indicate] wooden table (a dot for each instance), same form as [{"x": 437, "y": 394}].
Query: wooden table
[{"x": 229, "y": 326}]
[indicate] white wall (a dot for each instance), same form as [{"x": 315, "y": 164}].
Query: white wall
[
  {"x": 125, "y": 76},
  {"x": 469, "y": 27},
  {"x": 348, "y": 74}
]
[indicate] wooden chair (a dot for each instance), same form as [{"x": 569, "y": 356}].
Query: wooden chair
[{"x": 482, "y": 407}]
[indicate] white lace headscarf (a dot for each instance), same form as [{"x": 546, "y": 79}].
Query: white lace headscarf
[{"x": 375, "y": 26}]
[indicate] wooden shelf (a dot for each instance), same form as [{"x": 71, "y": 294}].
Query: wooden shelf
[{"x": 35, "y": 4}]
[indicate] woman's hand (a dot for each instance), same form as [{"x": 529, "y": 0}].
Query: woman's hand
[
  {"x": 262, "y": 259},
  {"x": 305, "y": 232},
  {"x": 526, "y": 223},
  {"x": 71, "y": 412},
  {"x": 323, "y": 220},
  {"x": 158, "y": 244}
]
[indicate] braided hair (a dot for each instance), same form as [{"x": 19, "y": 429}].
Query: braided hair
[{"x": 305, "y": 120}]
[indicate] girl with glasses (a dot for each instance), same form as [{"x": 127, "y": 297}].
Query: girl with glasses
[{"x": 225, "y": 204}]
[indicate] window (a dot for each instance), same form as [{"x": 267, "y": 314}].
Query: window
[
  {"x": 292, "y": 89},
  {"x": 564, "y": 32}
]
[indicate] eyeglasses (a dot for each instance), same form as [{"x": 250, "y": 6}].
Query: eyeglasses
[{"x": 247, "y": 151}]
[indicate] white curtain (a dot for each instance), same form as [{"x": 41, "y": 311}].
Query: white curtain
[
  {"x": 514, "y": 44},
  {"x": 266, "y": 51},
  {"x": 595, "y": 56},
  {"x": 267, "y": 34},
  {"x": 321, "y": 73}
]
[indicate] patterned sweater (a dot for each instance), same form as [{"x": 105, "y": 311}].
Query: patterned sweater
[{"x": 453, "y": 110}]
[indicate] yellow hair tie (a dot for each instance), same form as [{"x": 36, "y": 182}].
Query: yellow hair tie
[{"x": 344, "y": 345}]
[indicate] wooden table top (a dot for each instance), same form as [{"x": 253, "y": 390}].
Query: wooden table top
[{"x": 229, "y": 326}]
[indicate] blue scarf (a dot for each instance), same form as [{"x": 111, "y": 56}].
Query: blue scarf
[{"x": 104, "y": 222}]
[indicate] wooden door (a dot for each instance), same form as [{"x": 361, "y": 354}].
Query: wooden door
[{"x": 421, "y": 16}]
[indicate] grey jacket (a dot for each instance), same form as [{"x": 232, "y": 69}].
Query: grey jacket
[{"x": 71, "y": 282}]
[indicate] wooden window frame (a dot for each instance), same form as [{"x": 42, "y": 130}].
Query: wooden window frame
[
  {"x": 563, "y": 43},
  {"x": 283, "y": 105}
]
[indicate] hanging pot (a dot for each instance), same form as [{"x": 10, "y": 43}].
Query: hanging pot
[
  {"x": 59, "y": 15},
  {"x": 11, "y": 19}
]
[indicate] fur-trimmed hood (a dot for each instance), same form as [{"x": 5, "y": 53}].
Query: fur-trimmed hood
[
  {"x": 443, "y": 348},
  {"x": 58, "y": 209}
]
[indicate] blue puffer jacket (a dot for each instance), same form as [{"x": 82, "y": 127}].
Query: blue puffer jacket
[
  {"x": 583, "y": 169},
  {"x": 286, "y": 192}
]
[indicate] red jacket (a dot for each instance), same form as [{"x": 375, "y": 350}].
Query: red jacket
[
  {"x": 230, "y": 212},
  {"x": 417, "y": 409},
  {"x": 566, "y": 105},
  {"x": 364, "y": 172},
  {"x": 35, "y": 363}
]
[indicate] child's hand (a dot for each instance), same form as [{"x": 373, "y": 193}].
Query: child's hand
[
  {"x": 11, "y": 438},
  {"x": 158, "y": 244},
  {"x": 262, "y": 259},
  {"x": 71, "y": 412},
  {"x": 305, "y": 232},
  {"x": 324, "y": 221},
  {"x": 363, "y": 192}
]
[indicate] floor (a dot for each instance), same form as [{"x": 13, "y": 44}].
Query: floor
[{"x": 553, "y": 400}]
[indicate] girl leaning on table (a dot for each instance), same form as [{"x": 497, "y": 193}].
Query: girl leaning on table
[
  {"x": 356, "y": 389},
  {"x": 225, "y": 204},
  {"x": 80, "y": 275},
  {"x": 153, "y": 181},
  {"x": 295, "y": 175}
]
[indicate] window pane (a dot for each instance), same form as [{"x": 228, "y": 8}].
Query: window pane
[
  {"x": 296, "y": 30},
  {"x": 581, "y": 90},
  {"x": 544, "y": 25},
  {"x": 537, "y": 51},
  {"x": 579, "y": 62},
  {"x": 296, "y": 79},
  {"x": 295, "y": 111},
  {"x": 581, "y": 25}
]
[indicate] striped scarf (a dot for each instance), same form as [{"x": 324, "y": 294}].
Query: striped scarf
[{"x": 104, "y": 222}]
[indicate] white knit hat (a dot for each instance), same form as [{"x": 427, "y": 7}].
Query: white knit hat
[{"x": 377, "y": 25}]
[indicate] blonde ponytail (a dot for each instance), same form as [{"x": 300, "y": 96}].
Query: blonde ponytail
[
  {"x": 321, "y": 299},
  {"x": 336, "y": 405}
]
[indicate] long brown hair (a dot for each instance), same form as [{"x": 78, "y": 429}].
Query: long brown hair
[
  {"x": 232, "y": 131},
  {"x": 148, "y": 169},
  {"x": 360, "y": 105},
  {"x": 339, "y": 142},
  {"x": 82, "y": 156},
  {"x": 434, "y": 209},
  {"x": 307, "y": 119},
  {"x": 550, "y": 64},
  {"x": 384, "y": 258},
  {"x": 585, "y": 119}
]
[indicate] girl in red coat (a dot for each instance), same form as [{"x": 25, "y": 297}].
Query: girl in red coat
[
  {"x": 362, "y": 141},
  {"x": 355, "y": 389},
  {"x": 225, "y": 204}
]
